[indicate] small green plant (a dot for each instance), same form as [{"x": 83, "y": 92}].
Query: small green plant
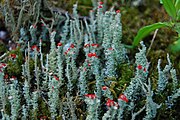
[{"x": 172, "y": 7}]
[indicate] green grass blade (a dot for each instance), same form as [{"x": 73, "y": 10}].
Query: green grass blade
[
  {"x": 177, "y": 5},
  {"x": 178, "y": 15},
  {"x": 144, "y": 31},
  {"x": 170, "y": 8}
]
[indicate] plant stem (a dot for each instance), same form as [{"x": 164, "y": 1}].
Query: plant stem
[{"x": 152, "y": 41}]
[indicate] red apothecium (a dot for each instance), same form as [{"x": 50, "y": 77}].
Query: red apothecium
[
  {"x": 104, "y": 88},
  {"x": 91, "y": 96},
  {"x": 59, "y": 44},
  {"x": 139, "y": 67},
  {"x": 123, "y": 98}
]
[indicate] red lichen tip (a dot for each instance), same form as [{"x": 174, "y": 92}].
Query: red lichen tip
[
  {"x": 91, "y": 96},
  {"x": 43, "y": 118},
  {"x": 144, "y": 69},
  {"x": 118, "y": 11},
  {"x": 110, "y": 103},
  {"x": 4, "y": 64},
  {"x": 139, "y": 67},
  {"x": 86, "y": 45},
  {"x": 34, "y": 26},
  {"x": 92, "y": 55},
  {"x": 59, "y": 44},
  {"x": 13, "y": 56},
  {"x": 6, "y": 76},
  {"x": 66, "y": 52},
  {"x": 104, "y": 88},
  {"x": 110, "y": 48},
  {"x": 34, "y": 47},
  {"x": 100, "y": 6},
  {"x": 72, "y": 46},
  {"x": 56, "y": 78},
  {"x": 95, "y": 45},
  {"x": 13, "y": 78},
  {"x": 123, "y": 98},
  {"x": 68, "y": 49},
  {"x": 101, "y": 3}
]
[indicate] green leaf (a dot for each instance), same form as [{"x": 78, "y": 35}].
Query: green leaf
[
  {"x": 144, "y": 31},
  {"x": 170, "y": 8},
  {"x": 178, "y": 15},
  {"x": 175, "y": 47},
  {"x": 177, "y": 5}
]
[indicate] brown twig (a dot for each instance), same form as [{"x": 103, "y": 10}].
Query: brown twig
[{"x": 152, "y": 41}]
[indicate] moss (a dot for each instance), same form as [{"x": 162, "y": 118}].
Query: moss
[
  {"x": 14, "y": 67},
  {"x": 125, "y": 73},
  {"x": 43, "y": 108},
  {"x": 3, "y": 48}
]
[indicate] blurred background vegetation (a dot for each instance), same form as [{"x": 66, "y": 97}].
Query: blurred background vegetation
[{"x": 134, "y": 16}]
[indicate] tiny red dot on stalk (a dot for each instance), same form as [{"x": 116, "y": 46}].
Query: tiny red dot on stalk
[
  {"x": 118, "y": 11},
  {"x": 144, "y": 69},
  {"x": 94, "y": 45},
  {"x": 4, "y": 64},
  {"x": 72, "y": 46},
  {"x": 34, "y": 47},
  {"x": 66, "y": 52},
  {"x": 13, "y": 77},
  {"x": 56, "y": 78},
  {"x": 110, "y": 102},
  {"x": 90, "y": 55},
  {"x": 94, "y": 55},
  {"x": 110, "y": 48},
  {"x": 104, "y": 88},
  {"x": 123, "y": 98},
  {"x": 13, "y": 56},
  {"x": 6, "y": 76},
  {"x": 91, "y": 96},
  {"x": 86, "y": 45},
  {"x": 100, "y": 6},
  {"x": 34, "y": 26},
  {"x": 59, "y": 44},
  {"x": 139, "y": 67},
  {"x": 101, "y": 3}
]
